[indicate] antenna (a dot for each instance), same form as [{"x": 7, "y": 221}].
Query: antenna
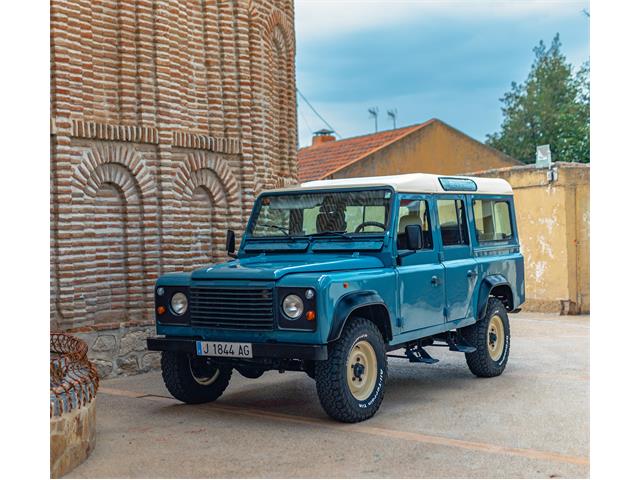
[
  {"x": 373, "y": 112},
  {"x": 393, "y": 113}
]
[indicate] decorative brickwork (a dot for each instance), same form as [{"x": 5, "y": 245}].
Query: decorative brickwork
[{"x": 167, "y": 118}]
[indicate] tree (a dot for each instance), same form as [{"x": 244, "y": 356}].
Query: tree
[{"x": 550, "y": 107}]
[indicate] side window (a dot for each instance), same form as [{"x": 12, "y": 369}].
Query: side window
[
  {"x": 453, "y": 222},
  {"x": 493, "y": 220},
  {"x": 414, "y": 212}
]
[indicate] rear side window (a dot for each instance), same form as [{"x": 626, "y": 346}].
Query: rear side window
[
  {"x": 453, "y": 223},
  {"x": 493, "y": 220}
]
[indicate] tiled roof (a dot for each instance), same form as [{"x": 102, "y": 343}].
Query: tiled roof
[{"x": 318, "y": 161}]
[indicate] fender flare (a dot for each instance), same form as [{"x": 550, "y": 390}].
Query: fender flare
[
  {"x": 488, "y": 284},
  {"x": 348, "y": 303}
]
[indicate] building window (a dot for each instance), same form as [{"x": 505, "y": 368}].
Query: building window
[
  {"x": 414, "y": 212},
  {"x": 493, "y": 220},
  {"x": 453, "y": 223}
]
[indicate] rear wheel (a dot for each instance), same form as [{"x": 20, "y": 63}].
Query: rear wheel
[
  {"x": 350, "y": 383},
  {"x": 193, "y": 379},
  {"x": 492, "y": 338}
]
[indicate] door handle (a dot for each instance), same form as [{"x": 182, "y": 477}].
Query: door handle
[
  {"x": 472, "y": 273},
  {"x": 435, "y": 281}
]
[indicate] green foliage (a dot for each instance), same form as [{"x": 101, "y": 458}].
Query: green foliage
[{"x": 550, "y": 107}]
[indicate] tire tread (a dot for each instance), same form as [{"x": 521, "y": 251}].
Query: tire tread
[
  {"x": 329, "y": 385},
  {"x": 479, "y": 362},
  {"x": 180, "y": 383}
]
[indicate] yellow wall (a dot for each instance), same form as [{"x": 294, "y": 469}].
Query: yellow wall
[
  {"x": 434, "y": 148},
  {"x": 553, "y": 225}
]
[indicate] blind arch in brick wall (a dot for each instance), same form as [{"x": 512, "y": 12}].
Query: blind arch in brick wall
[
  {"x": 215, "y": 211},
  {"x": 106, "y": 268},
  {"x": 112, "y": 152},
  {"x": 272, "y": 47},
  {"x": 281, "y": 55},
  {"x": 196, "y": 161}
]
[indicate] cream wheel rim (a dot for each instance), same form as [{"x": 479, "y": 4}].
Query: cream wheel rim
[
  {"x": 362, "y": 368},
  {"x": 495, "y": 338},
  {"x": 204, "y": 380}
]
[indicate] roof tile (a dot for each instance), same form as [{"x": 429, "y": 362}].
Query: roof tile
[{"x": 317, "y": 161}]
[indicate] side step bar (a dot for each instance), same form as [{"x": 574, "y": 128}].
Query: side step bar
[
  {"x": 459, "y": 344},
  {"x": 417, "y": 354},
  {"x": 456, "y": 343}
]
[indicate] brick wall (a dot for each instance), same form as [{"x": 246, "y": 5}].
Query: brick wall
[{"x": 167, "y": 118}]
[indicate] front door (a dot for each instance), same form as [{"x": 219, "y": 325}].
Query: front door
[
  {"x": 460, "y": 268},
  {"x": 420, "y": 274}
]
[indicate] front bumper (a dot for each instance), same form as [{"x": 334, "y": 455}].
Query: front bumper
[{"x": 296, "y": 351}]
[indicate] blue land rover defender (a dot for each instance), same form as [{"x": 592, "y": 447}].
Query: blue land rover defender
[{"x": 331, "y": 275}]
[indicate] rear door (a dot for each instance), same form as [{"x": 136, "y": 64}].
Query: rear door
[
  {"x": 460, "y": 268},
  {"x": 420, "y": 274}
]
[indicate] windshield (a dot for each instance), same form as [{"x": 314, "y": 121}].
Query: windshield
[{"x": 322, "y": 214}]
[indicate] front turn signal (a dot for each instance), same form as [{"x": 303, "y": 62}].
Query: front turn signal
[
  {"x": 311, "y": 315},
  {"x": 161, "y": 310}
]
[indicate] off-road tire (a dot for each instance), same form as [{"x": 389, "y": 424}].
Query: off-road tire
[
  {"x": 331, "y": 374},
  {"x": 480, "y": 362},
  {"x": 177, "y": 376}
]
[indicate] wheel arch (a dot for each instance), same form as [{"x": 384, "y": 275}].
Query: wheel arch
[
  {"x": 494, "y": 286},
  {"x": 367, "y": 304}
]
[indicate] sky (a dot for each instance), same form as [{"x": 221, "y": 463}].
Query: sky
[{"x": 448, "y": 59}]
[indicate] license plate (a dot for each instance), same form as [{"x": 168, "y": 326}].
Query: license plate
[{"x": 224, "y": 349}]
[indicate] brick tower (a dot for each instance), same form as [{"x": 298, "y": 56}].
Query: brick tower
[{"x": 167, "y": 118}]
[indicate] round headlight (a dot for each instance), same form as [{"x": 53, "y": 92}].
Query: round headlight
[
  {"x": 292, "y": 306},
  {"x": 179, "y": 303}
]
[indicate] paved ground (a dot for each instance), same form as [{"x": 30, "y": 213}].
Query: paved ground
[{"x": 435, "y": 421}]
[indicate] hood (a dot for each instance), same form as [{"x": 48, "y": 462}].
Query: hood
[{"x": 264, "y": 267}]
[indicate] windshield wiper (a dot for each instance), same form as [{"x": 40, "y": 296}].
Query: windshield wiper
[
  {"x": 342, "y": 233},
  {"x": 284, "y": 230}
]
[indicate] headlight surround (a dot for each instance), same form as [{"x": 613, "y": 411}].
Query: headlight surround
[
  {"x": 179, "y": 303},
  {"x": 292, "y": 306}
]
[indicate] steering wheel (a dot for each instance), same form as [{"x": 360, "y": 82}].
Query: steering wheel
[{"x": 369, "y": 224}]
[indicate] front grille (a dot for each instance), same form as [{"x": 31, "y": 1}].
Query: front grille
[{"x": 247, "y": 308}]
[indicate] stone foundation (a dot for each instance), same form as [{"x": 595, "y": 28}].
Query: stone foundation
[
  {"x": 121, "y": 351},
  {"x": 73, "y": 438},
  {"x": 563, "y": 307}
]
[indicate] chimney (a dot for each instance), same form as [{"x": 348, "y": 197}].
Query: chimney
[{"x": 322, "y": 136}]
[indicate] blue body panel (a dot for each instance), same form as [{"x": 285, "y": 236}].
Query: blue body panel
[{"x": 418, "y": 305}]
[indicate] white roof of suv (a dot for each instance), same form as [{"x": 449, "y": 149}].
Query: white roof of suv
[{"x": 419, "y": 183}]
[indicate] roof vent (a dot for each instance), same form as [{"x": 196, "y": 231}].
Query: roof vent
[{"x": 323, "y": 136}]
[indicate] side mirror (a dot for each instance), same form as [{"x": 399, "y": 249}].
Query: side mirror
[
  {"x": 231, "y": 243},
  {"x": 415, "y": 240}
]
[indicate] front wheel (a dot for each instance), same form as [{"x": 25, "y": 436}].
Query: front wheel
[
  {"x": 492, "y": 338},
  {"x": 193, "y": 379},
  {"x": 350, "y": 383}
]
